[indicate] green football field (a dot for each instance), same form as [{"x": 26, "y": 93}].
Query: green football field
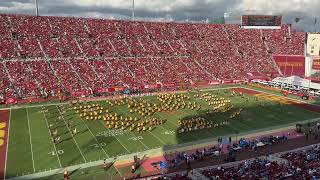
[{"x": 31, "y": 149}]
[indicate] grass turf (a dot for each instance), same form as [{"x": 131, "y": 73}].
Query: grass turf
[{"x": 31, "y": 149}]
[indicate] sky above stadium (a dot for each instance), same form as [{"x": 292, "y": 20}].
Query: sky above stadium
[{"x": 178, "y": 10}]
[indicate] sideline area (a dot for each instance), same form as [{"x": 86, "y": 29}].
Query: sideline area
[{"x": 125, "y": 160}]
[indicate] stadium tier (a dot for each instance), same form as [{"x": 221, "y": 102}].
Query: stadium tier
[
  {"x": 43, "y": 56},
  {"x": 302, "y": 164}
]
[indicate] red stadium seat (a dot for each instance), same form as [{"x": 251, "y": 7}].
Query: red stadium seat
[{"x": 54, "y": 54}]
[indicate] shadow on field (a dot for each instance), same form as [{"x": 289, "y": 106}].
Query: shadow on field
[{"x": 194, "y": 146}]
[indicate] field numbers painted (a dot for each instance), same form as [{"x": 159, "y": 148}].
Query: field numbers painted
[
  {"x": 109, "y": 133},
  {"x": 168, "y": 132},
  {"x": 98, "y": 145},
  {"x": 53, "y": 153},
  {"x": 137, "y": 138}
]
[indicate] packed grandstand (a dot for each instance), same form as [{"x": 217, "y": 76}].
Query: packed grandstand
[{"x": 44, "y": 57}]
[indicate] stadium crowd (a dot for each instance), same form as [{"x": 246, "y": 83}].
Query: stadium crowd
[
  {"x": 225, "y": 146},
  {"x": 303, "y": 164},
  {"x": 60, "y": 54}
]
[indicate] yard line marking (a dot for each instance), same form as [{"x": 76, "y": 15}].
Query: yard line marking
[
  {"x": 30, "y": 139},
  {"x": 136, "y": 136},
  {"x": 140, "y": 141},
  {"x": 54, "y": 145},
  {"x": 94, "y": 137},
  {"x": 71, "y": 134},
  {"x": 99, "y": 146},
  {"x": 117, "y": 139},
  {"x": 165, "y": 130},
  {"x": 117, "y": 171},
  {"x": 157, "y": 137},
  {"x": 5, "y": 164}
]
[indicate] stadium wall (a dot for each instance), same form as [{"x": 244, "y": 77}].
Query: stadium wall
[{"x": 291, "y": 65}]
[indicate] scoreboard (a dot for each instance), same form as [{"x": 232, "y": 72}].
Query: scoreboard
[
  {"x": 261, "y": 20},
  {"x": 313, "y": 44}
]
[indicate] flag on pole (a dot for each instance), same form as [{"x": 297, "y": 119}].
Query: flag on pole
[
  {"x": 132, "y": 9},
  {"x": 36, "y": 6}
]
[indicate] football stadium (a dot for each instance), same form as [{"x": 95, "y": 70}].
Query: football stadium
[{"x": 105, "y": 98}]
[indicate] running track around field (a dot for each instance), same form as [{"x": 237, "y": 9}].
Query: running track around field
[
  {"x": 292, "y": 102},
  {"x": 4, "y": 130}
]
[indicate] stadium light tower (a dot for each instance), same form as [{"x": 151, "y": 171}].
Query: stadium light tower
[
  {"x": 132, "y": 9},
  {"x": 37, "y": 8}
]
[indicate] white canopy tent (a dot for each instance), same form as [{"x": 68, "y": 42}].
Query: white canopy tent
[{"x": 295, "y": 82}]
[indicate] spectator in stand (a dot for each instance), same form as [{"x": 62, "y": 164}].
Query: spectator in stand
[{"x": 84, "y": 55}]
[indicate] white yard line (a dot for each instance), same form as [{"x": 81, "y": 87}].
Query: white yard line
[
  {"x": 117, "y": 139},
  {"x": 100, "y": 147},
  {"x": 30, "y": 140},
  {"x": 70, "y": 131},
  {"x": 94, "y": 137},
  {"x": 157, "y": 137},
  {"x": 117, "y": 171},
  {"x": 54, "y": 145},
  {"x": 5, "y": 163},
  {"x": 136, "y": 136},
  {"x": 141, "y": 141}
]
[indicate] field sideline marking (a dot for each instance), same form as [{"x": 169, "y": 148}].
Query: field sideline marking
[
  {"x": 116, "y": 138},
  {"x": 64, "y": 103},
  {"x": 71, "y": 134},
  {"x": 5, "y": 163},
  {"x": 30, "y": 140},
  {"x": 54, "y": 145}
]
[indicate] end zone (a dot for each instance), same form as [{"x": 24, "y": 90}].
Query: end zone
[
  {"x": 4, "y": 137},
  {"x": 279, "y": 99}
]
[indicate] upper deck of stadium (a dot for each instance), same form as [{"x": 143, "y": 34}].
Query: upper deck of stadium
[
  {"x": 46, "y": 55},
  {"x": 88, "y": 35}
]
